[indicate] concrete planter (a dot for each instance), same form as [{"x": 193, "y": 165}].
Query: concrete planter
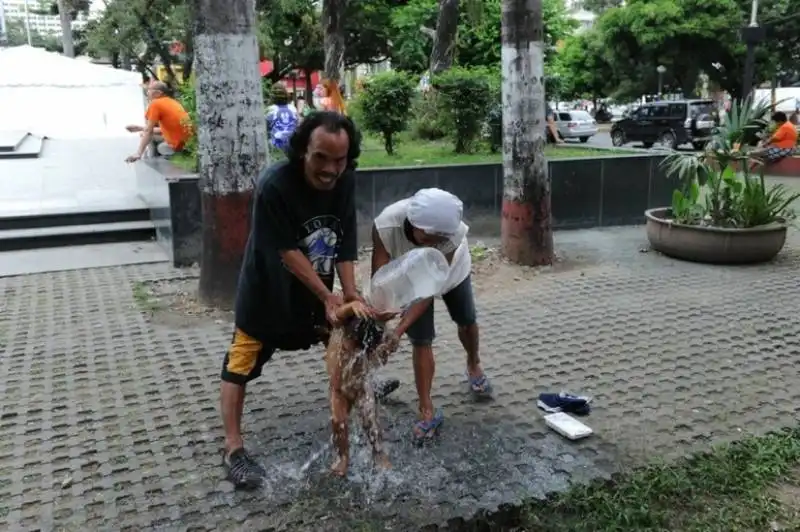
[{"x": 714, "y": 245}]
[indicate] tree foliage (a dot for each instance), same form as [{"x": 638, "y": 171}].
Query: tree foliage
[
  {"x": 688, "y": 37},
  {"x": 289, "y": 33},
  {"x": 385, "y": 105},
  {"x": 478, "y": 42}
]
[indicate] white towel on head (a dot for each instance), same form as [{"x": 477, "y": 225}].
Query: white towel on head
[{"x": 435, "y": 211}]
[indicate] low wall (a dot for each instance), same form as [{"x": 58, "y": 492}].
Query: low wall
[
  {"x": 173, "y": 196},
  {"x": 786, "y": 167},
  {"x": 586, "y": 192}
]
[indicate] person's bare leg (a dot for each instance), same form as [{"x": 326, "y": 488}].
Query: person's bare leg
[
  {"x": 368, "y": 412},
  {"x": 232, "y": 405},
  {"x": 336, "y": 353},
  {"x": 424, "y": 369},
  {"x": 470, "y": 340},
  {"x": 340, "y": 408}
]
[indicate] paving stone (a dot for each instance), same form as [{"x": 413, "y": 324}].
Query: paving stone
[{"x": 109, "y": 416}]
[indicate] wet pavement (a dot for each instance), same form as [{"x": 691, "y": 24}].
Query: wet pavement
[{"x": 109, "y": 401}]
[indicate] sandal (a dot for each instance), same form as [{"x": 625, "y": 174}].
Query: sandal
[
  {"x": 480, "y": 386},
  {"x": 425, "y": 431}
]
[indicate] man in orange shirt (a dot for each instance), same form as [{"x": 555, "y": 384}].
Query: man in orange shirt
[
  {"x": 782, "y": 143},
  {"x": 167, "y": 122}
]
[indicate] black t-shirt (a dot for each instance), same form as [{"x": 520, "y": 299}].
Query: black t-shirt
[{"x": 272, "y": 305}]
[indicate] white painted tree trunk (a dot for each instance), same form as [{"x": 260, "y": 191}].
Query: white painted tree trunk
[
  {"x": 333, "y": 27},
  {"x": 231, "y": 134},
  {"x": 66, "y": 28},
  {"x": 526, "y": 226}
]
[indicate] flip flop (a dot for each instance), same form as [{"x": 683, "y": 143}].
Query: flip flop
[
  {"x": 425, "y": 431},
  {"x": 480, "y": 386}
]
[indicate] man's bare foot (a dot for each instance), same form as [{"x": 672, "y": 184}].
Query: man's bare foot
[
  {"x": 382, "y": 461},
  {"x": 339, "y": 467}
]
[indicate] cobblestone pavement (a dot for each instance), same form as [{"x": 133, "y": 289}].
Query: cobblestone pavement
[{"x": 109, "y": 418}]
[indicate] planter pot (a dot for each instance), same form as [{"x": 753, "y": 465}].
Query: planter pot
[{"x": 715, "y": 245}]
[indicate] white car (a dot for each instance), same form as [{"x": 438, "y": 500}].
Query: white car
[{"x": 575, "y": 125}]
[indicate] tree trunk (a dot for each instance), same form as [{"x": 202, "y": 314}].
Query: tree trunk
[
  {"x": 527, "y": 235},
  {"x": 333, "y": 26},
  {"x": 309, "y": 87},
  {"x": 231, "y": 136},
  {"x": 66, "y": 29},
  {"x": 444, "y": 42}
]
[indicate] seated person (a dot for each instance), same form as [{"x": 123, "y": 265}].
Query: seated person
[
  {"x": 168, "y": 123},
  {"x": 781, "y": 144}
]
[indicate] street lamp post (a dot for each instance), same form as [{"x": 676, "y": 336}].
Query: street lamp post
[
  {"x": 752, "y": 35},
  {"x": 660, "y": 69}
]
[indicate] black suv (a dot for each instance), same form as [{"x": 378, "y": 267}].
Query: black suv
[{"x": 669, "y": 124}]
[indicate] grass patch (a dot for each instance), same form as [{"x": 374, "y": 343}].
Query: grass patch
[
  {"x": 410, "y": 152},
  {"x": 144, "y": 297},
  {"x": 478, "y": 252},
  {"x": 737, "y": 487}
]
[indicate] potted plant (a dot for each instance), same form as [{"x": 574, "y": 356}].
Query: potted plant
[{"x": 724, "y": 212}]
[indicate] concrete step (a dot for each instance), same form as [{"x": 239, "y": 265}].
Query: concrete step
[
  {"x": 60, "y": 219},
  {"x": 9, "y": 140},
  {"x": 75, "y": 235},
  {"x": 30, "y": 147}
]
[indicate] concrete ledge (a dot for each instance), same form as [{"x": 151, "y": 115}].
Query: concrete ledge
[
  {"x": 586, "y": 192},
  {"x": 786, "y": 167},
  {"x": 28, "y": 147},
  {"x": 173, "y": 197}
]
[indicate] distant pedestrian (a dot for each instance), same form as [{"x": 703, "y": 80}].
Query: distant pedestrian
[
  {"x": 332, "y": 99},
  {"x": 282, "y": 118},
  {"x": 303, "y": 107}
]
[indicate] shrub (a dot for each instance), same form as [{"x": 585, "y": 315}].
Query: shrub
[
  {"x": 188, "y": 98},
  {"x": 465, "y": 96},
  {"x": 384, "y": 105},
  {"x": 428, "y": 123}
]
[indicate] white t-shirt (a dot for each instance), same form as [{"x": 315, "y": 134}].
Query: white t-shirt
[{"x": 390, "y": 225}]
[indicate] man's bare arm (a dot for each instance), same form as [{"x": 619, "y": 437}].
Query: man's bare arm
[{"x": 380, "y": 257}]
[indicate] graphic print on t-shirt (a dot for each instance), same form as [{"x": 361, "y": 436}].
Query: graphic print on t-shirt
[{"x": 320, "y": 243}]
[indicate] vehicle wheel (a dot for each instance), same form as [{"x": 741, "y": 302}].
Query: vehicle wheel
[
  {"x": 617, "y": 138},
  {"x": 667, "y": 140},
  {"x": 584, "y": 139},
  {"x": 699, "y": 146}
]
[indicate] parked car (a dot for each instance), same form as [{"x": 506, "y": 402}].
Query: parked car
[
  {"x": 575, "y": 125},
  {"x": 603, "y": 115},
  {"x": 669, "y": 123}
]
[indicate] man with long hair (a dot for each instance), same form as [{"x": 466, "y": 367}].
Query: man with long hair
[{"x": 303, "y": 233}]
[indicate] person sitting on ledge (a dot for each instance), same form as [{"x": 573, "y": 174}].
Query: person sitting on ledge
[
  {"x": 782, "y": 144},
  {"x": 168, "y": 123}
]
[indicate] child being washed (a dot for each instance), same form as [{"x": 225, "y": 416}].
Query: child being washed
[{"x": 351, "y": 354}]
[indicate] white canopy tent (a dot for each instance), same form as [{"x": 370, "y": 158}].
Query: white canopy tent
[{"x": 51, "y": 95}]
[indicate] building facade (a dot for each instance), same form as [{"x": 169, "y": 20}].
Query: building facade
[{"x": 35, "y": 15}]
